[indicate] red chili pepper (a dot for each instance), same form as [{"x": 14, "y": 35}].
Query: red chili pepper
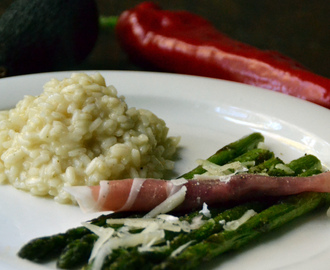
[{"x": 182, "y": 42}]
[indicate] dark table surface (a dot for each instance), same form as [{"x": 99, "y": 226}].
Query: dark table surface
[{"x": 296, "y": 28}]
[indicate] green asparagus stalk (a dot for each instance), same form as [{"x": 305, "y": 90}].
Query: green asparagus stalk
[
  {"x": 254, "y": 157},
  {"x": 297, "y": 167},
  {"x": 46, "y": 248},
  {"x": 229, "y": 152},
  {"x": 265, "y": 167},
  {"x": 77, "y": 252},
  {"x": 49, "y": 247},
  {"x": 305, "y": 163},
  {"x": 268, "y": 220}
]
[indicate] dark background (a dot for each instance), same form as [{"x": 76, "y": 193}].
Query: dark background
[{"x": 296, "y": 28}]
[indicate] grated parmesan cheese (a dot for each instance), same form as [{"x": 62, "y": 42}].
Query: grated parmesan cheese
[
  {"x": 164, "y": 222},
  {"x": 284, "y": 168},
  {"x": 104, "y": 235},
  {"x": 222, "y": 172},
  {"x": 179, "y": 181},
  {"x": 205, "y": 211},
  {"x": 181, "y": 248},
  {"x": 146, "y": 238},
  {"x": 153, "y": 233},
  {"x": 169, "y": 204},
  {"x": 235, "y": 224}
]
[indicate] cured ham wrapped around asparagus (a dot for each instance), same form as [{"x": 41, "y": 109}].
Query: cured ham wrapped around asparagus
[{"x": 145, "y": 194}]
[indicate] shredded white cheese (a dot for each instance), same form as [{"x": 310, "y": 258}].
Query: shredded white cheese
[
  {"x": 169, "y": 204},
  {"x": 179, "y": 181},
  {"x": 222, "y": 172},
  {"x": 284, "y": 167},
  {"x": 262, "y": 145},
  {"x": 205, "y": 211},
  {"x": 181, "y": 248},
  {"x": 235, "y": 224},
  {"x": 153, "y": 233},
  {"x": 146, "y": 238},
  {"x": 104, "y": 235},
  {"x": 197, "y": 222},
  {"x": 164, "y": 222}
]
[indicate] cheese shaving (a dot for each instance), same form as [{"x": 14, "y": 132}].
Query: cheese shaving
[
  {"x": 284, "y": 168},
  {"x": 235, "y": 224},
  {"x": 104, "y": 235},
  {"x": 164, "y": 222},
  {"x": 153, "y": 233},
  {"x": 197, "y": 222},
  {"x": 181, "y": 248},
  {"x": 213, "y": 169},
  {"x": 169, "y": 204},
  {"x": 145, "y": 238},
  {"x": 179, "y": 181},
  {"x": 205, "y": 211}
]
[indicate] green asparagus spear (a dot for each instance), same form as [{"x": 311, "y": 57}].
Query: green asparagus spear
[
  {"x": 305, "y": 163},
  {"x": 303, "y": 166},
  {"x": 254, "y": 157},
  {"x": 314, "y": 167},
  {"x": 297, "y": 167},
  {"x": 77, "y": 252},
  {"x": 268, "y": 220},
  {"x": 49, "y": 247},
  {"x": 265, "y": 167},
  {"x": 229, "y": 152}
]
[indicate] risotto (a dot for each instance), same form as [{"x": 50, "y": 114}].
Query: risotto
[{"x": 78, "y": 132}]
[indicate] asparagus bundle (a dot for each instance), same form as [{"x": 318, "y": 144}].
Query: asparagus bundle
[{"x": 73, "y": 248}]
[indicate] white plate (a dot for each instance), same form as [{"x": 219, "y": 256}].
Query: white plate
[{"x": 207, "y": 114}]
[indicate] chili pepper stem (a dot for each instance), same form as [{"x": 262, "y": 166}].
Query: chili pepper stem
[{"x": 108, "y": 22}]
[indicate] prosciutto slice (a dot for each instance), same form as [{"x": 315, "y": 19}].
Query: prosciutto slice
[{"x": 145, "y": 194}]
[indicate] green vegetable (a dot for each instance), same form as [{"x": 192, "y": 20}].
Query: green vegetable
[
  {"x": 266, "y": 167},
  {"x": 304, "y": 165},
  {"x": 297, "y": 167},
  {"x": 49, "y": 247},
  {"x": 108, "y": 22},
  {"x": 46, "y": 35},
  {"x": 77, "y": 252},
  {"x": 254, "y": 157}
]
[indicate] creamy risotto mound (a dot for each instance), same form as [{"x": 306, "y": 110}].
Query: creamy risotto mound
[{"x": 78, "y": 132}]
